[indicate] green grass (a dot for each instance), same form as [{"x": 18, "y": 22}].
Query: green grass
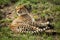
[
  {"x": 4, "y": 1},
  {"x": 43, "y": 7},
  {"x": 6, "y": 33}
]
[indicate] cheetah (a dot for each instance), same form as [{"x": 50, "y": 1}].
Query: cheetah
[{"x": 23, "y": 22}]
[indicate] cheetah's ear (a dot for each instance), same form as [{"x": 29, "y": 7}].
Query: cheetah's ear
[
  {"x": 19, "y": 7},
  {"x": 28, "y": 7}
]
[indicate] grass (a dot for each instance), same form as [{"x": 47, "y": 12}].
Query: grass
[
  {"x": 43, "y": 7},
  {"x": 6, "y": 33},
  {"x": 4, "y": 2}
]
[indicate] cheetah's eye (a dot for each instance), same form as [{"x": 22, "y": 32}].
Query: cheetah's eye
[{"x": 19, "y": 12}]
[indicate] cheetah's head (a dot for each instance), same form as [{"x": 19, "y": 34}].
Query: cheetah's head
[{"x": 21, "y": 10}]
